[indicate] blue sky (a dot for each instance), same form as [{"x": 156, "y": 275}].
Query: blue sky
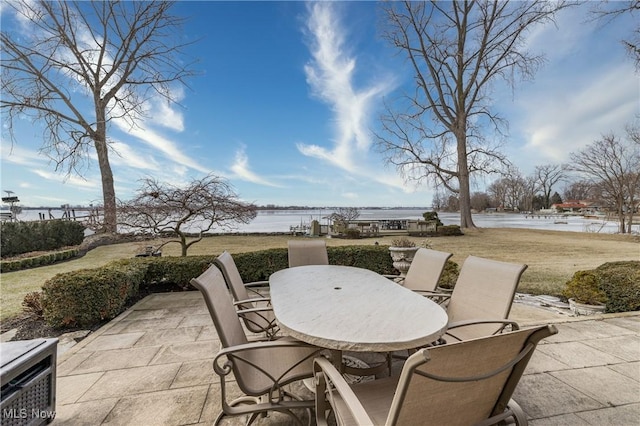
[{"x": 289, "y": 93}]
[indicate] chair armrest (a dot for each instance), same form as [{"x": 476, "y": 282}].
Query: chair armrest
[
  {"x": 505, "y": 323},
  {"x": 439, "y": 298},
  {"x": 266, "y": 345},
  {"x": 324, "y": 371},
  {"x": 241, "y": 312},
  {"x": 257, "y": 284},
  {"x": 266, "y": 357},
  {"x": 251, "y": 300}
]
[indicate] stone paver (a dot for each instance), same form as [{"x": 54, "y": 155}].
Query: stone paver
[{"x": 153, "y": 365}]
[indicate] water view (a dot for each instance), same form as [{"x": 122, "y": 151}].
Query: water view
[{"x": 276, "y": 221}]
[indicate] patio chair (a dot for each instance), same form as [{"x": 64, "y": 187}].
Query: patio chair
[
  {"x": 425, "y": 271},
  {"x": 463, "y": 383},
  {"x": 482, "y": 297},
  {"x": 261, "y": 369},
  {"x": 256, "y": 320},
  {"x": 307, "y": 252}
]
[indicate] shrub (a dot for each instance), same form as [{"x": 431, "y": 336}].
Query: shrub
[
  {"x": 32, "y": 304},
  {"x": 87, "y": 297},
  {"x": 432, "y": 216},
  {"x": 449, "y": 230},
  {"x": 616, "y": 284},
  {"x": 45, "y": 259},
  {"x": 449, "y": 275},
  {"x": 175, "y": 271},
  {"x": 402, "y": 242},
  {"x": 621, "y": 283},
  {"x": 24, "y": 237},
  {"x": 584, "y": 287},
  {"x": 375, "y": 258},
  {"x": 258, "y": 265},
  {"x": 352, "y": 233}
]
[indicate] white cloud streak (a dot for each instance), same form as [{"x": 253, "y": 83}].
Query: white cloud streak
[
  {"x": 330, "y": 75},
  {"x": 75, "y": 181},
  {"x": 242, "y": 170},
  {"x": 587, "y": 89}
]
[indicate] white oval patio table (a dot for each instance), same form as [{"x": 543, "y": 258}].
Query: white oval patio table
[{"x": 344, "y": 308}]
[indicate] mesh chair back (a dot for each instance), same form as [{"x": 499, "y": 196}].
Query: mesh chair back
[
  {"x": 464, "y": 383},
  {"x": 426, "y": 269},
  {"x": 484, "y": 290},
  {"x": 214, "y": 290},
  {"x": 232, "y": 276},
  {"x": 256, "y": 322},
  {"x": 307, "y": 252}
]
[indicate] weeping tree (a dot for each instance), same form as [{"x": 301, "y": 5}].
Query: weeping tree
[
  {"x": 200, "y": 206},
  {"x": 75, "y": 67},
  {"x": 457, "y": 52}
]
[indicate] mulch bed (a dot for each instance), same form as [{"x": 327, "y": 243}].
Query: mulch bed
[{"x": 33, "y": 327}]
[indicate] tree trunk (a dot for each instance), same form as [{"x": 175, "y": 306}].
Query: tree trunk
[
  {"x": 108, "y": 190},
  {"x": 464, "y": 195},
  {"x": 621, "y": 217}
]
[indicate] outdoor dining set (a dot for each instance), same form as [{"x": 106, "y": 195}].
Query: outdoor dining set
[{"x": 370, "y": 349}]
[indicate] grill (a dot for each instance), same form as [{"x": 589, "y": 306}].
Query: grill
[{"x": 28, "y": 379}]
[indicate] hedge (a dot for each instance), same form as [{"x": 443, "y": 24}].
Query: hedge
[
  {"x": 24, "y": 237},
  {"x": 87, "y": 297},
  {"x": 42, "y": 260}
]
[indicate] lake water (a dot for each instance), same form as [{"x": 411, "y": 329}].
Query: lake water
[{"x": 283, "y": 220}]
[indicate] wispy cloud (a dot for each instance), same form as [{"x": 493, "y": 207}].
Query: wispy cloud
[
  {"x": 242, "y": 170},
  {"x": 586, "y": 89},
  {"x": 19, "y": 155},
  {"x": 168, "y": 148},
  {"x": 330, "y": 75},
  {"x": 76, "y": 181},
  {"x": 127, "y": 156}
]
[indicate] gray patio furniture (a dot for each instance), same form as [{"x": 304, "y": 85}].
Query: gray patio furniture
[
  {"x": 425, "y": 272},
  {"x": 482, "y": 297},
  {"x": 463, "y": 383},
  {"x": 253, "y": 308},
  {"x": 307, "y": 252},
  {"x": 260, "y": 369}
]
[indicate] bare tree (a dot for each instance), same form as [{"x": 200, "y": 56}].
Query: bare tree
[
  {"x": 613, "y": 165},
  {"x": 602, "y": 12},
  {"x": 530, "y": 188},
  {"x": 579, "y": 190},
  {"x": 458, "y": 50},
  {"x": 511, "y": 192},
  {"x": 545, "y": 177},
  {"x": 480, "y": 201},
  {"x": 203, "y": 204},
  {"x": 77, "y": 66},
  {"x": 343, "y": 215}
]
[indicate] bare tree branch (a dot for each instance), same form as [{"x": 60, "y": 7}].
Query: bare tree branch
[
  {"x": 457, "y": 50},
  {"x": 113, "y": 56},
  {"x": 161, "y": 208},
  {"x": 613, "y": 165}
]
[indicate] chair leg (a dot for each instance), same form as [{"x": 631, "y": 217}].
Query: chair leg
[{"x": 518, "y": 413}]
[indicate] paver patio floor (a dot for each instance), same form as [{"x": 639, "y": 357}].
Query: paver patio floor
[{"x": 152, "y": 365}]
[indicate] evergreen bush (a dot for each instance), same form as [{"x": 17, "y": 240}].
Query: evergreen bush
[
  {"x": 24, "y": 237},
  {"x": 616, "y": 284},
  {"x": 86, "y": 297}
]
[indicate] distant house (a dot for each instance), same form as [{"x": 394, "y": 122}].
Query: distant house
[{"x": 570, "y": 207}]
